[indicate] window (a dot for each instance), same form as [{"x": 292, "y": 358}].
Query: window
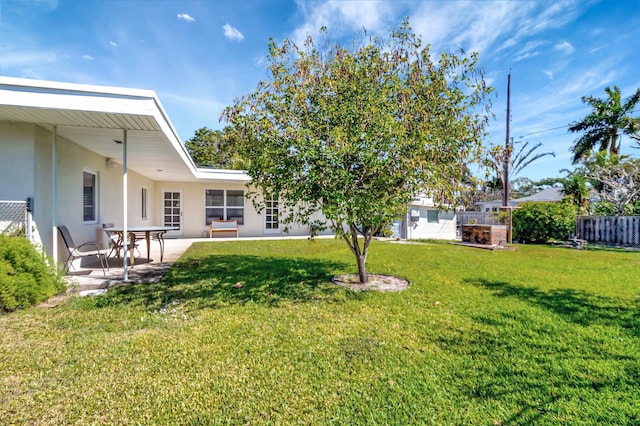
[
  {"x": 271, "y": 213},
  {"x": 432, "y": 216},
  {"x": 89, "y": 197},
  {"x": 224, "y": 204},
  {"x": 144, "y": 203}
]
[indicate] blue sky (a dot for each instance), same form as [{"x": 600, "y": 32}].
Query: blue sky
[{"x": 199, "y": 55}]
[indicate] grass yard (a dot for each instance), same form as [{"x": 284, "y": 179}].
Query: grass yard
[{"x": 535, "y": 336}]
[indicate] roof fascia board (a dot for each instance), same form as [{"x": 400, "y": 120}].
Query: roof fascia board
[{"x": 29, "y": 93}]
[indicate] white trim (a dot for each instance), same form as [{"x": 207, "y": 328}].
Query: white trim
[
  {"x": 54, "y": 195},
  {"x": 225, "y": 207},
  {"x": 144, "y": 203},
  {"x": 179, "y": 232},
  {"x": 96, "y": 196},
  {"x": 125, "y": 207},
  {"x": 271, "y": 231}
]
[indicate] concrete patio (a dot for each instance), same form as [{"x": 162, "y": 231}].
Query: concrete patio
[{"x": 90, "y": 280}]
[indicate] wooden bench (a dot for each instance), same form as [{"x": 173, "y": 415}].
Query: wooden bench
[{"x": 223, "y": 226}]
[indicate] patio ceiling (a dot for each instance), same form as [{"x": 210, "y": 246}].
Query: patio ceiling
[{"x": 95, "y": 117}]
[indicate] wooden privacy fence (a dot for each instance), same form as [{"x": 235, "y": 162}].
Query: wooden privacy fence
[{"x": 609, "y": 230}]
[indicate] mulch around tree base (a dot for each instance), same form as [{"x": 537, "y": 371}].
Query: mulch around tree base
[{"x": 375, "y": 282}]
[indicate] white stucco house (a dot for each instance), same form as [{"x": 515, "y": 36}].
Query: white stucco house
[
  {"x": 425, "y": 221},
  {"x": 87, "y": 155}
]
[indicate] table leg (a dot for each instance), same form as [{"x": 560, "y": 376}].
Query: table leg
[
  {"x": 132, "y": 238},
  {"x": 147, "y": 235},
  {"x": 161, "y": 241}
]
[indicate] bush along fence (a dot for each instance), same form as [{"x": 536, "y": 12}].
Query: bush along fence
[{"x": 609, "y": 230}]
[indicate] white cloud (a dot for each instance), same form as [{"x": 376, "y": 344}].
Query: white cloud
[
  {"x": 88, "y": 57},
  {"x": 340, "y": 17},
  {"x": 30, "y": 73},
  {"x": 232, "y": 33},
  {"x": 529, "y": 50},
  {"x": 549, "y": 74},
  {"x": 565, "y": 47},
  {"x": 113, "y": 44},
  {"x": 526, "y": 55},
  {"x": 14, "y": 59},
  {"x": 186, "y": 17}
]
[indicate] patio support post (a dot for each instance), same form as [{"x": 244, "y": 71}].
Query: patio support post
[
  {"x": 124, "y": 205},
  {"x": 54, "y": 196}
]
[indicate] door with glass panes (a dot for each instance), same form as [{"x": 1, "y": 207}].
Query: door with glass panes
[
  {"x": 271, "y": 219},
  {"x": 172, "y": 211}
]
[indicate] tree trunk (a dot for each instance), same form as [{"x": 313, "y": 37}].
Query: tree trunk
[
  {"x": 359, "y": 252},
  {"x": 362, "y": 268},
  {"x": 614, "y": 148}
]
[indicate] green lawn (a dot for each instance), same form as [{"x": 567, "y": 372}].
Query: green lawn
[{"x": 535, "y": 336}]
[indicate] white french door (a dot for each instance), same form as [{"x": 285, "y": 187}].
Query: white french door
[
  {"x": 172, "y": 212},
  {"x": 271, "y": 216}
]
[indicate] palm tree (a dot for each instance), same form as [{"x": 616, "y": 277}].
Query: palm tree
[
  {"x": 517, "y": 161},
  {"x": 525, "y": 156},
  {"x": 602, "y": 126}
]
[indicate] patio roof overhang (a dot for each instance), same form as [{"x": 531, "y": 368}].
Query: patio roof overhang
[
  {"x": 128, "y": 126},
  {"x": 95, "y": 117}
]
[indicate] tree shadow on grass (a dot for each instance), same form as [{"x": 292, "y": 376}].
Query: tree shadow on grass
[
  {"x": 540, "y": 370},
  {"x": 222, "y": 280},
  {"x": 576, "y": 306}
]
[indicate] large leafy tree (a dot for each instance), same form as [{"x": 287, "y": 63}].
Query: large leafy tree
[
  {"x": 617, "y": 180},
  {"x": 215, "y": 148},
  {"x": 609, "y": 118},
  {"x": 356, "y": 133}
]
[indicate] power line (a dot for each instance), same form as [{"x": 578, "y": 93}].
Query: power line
[
  {"x": 563, "y": 127},
  {"x": 542, "y": 131}
]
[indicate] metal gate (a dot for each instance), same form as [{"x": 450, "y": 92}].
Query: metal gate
[{"x": 13, "y": 218}]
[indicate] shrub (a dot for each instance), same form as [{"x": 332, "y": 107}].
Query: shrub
[
  {"x": 607, "y": 208},
  {"x": 541, "y": 222},
  {"x": 25, "y": 276}
]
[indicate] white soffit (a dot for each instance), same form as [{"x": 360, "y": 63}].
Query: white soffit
[{"x": 94, "y": 117}]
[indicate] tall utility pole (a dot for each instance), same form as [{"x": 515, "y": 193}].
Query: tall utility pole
[
  {"x": 507, "y": 150},
  {"x": 507, "y": 161}
]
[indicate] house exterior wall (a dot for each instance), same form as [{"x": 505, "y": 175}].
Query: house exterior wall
[
  {"x": 42, "y": 195},
  {"x": 26, "y": 172},
  {"x": 71, "y": 161},
  {"x": 17, "y": 161},
  {"x": 194, "y": 214},
  {"x": 426, "y": 228}
]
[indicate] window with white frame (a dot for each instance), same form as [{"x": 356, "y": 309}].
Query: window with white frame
[
  {"x": 432, "y": 216},
  {"x": 89, "y": 196},
  {"x": 224, "y": 204},
  {"x": 143, "y": 204}
]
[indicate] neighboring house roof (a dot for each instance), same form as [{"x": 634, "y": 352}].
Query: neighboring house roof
[
  {"x": 95, "y": 117},
  {"x": 546, "y": 195}
]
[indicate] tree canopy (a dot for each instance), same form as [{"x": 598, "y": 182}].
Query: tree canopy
[
  {"x": 355, "y": 134},
  {"x": 214, "y": 148},
  {"x": 617, "y": 181},
  {"x": 606, "y": 122}
]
